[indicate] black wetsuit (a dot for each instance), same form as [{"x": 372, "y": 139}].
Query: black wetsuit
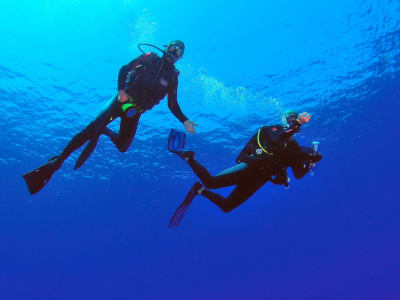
[
  {"x": 147, "y": 80},
  {"x": 257, "y": 164}
]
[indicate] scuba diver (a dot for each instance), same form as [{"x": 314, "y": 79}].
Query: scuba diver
[
  {"x": 266, "y": 157},
  {"x": 142, "y": 84}
]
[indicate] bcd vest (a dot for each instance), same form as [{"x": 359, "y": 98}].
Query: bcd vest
[{"x": 149, "y": 81}]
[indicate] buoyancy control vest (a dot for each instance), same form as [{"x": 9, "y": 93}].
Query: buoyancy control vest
[
  {"x": 149, "y": 80},
  {"x": 268, "y": 149}
]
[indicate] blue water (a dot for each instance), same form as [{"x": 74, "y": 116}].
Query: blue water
[{"x": 101, "y": 232}]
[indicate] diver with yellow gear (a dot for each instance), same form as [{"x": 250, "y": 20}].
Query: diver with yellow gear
[
  {"x": 266, "y": 157},
  {"x": 142, "y": 84}
]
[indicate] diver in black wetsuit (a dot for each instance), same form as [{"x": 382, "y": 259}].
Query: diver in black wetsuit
[
  {"x": 266, "y": 157},
  {"x": 142, "y": 84}
]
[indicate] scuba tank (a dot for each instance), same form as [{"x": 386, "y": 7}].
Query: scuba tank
[{"x": 315, "y": 146}]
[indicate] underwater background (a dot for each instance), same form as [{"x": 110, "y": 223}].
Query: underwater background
[{"x": 102, "y": 232}]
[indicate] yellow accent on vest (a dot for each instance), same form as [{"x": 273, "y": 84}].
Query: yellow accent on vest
[{"x": 259, "y": 144}]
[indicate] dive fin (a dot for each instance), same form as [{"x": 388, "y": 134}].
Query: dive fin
[
  {"x": 180, "y": 211},
  {"x": 176, "y": 141},
  {"x": 176, "y": 144},
  {"x": 38, "y": 178},
  {"x": 86, "y": 152}
]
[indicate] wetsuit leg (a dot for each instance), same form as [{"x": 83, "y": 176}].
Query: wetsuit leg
[
  {"x": 248, "y": 179},
  {"x": 232, "y": 176},
  {"x": 92, "y": 131},
  {"x": 127, "y": 131},
  {"x": 239, "y": 195}
]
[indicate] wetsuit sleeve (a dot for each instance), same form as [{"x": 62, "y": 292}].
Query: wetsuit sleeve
[
  {"x": 300, "y": 153},
  {"x": 173, "y": 101},
  {"x": 302, "y": 157},
  {"x": 299, "y": 159},
  {"x": 285, "y": 133},
  {"x": 123, "y": 72}
]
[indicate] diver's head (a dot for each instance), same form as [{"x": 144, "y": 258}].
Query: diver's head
[
  {"x": 174, "y": 51},
  {"x": 289, "y": 117}
]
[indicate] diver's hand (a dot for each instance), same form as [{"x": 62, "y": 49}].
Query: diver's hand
[
  {"x": 304, "y": 118},
  {"x": 122, "y": 96},
  {"x": 189, "y": 126}
]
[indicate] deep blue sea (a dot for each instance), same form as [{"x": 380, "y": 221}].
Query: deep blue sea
[{"x": 102, "y": 232}]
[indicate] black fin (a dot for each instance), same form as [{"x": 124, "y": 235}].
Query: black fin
[
  {"x": 86, "y": 152},
  {"x": 180, "y": 211},
  {"x": 38, "y": 178},
  {"x": 176, "y": 141}
]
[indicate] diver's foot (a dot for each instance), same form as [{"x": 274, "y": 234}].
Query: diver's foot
[{"x": 186, "y": 155}]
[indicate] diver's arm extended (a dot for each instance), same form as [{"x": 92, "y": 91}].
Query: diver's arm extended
[
  {"x": 173, "y": 104},
  {"x": 176, "y": 110}
]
